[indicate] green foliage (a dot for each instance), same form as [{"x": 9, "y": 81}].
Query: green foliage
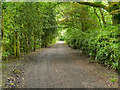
[
  {"x": 101, "y": 44},
  {"x": 26, "y": 26},
  {"x": 62, "y": 38},
  {"x": 5, "y": 55}
]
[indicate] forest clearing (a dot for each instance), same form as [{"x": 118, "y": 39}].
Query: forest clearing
[{"x": 60, "y": 44}]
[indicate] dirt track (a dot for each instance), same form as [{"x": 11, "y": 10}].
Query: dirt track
[{"x": 60, "y": 66}]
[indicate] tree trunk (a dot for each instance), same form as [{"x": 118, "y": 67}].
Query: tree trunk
[
  {"x": 83, "y": 26},
  {"x": 15, "y": 44},
  {"x": 40, "y": 42},
  {"x": 21, "y": 43},
  {"x": 103, "y": 18},
  {"x": 34, "y": 42},
  {"x": 2, "y": 34},
  {"x": 27, "y": 46},
  {"x": 18, "y": 45}
]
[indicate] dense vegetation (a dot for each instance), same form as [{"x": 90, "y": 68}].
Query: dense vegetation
[
  {"x": 102, "y": 45},
  {"x": 25, "y": 27},
  {"x": 99, "y": 39},
  {"x": 91, "y": 27}
]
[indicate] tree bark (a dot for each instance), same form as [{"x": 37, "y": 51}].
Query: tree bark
[
  {"x": 83, "y": 26},
  {"x": 15, "y": 45},
  {"x": 2, "y": 33},
  {"x": 97, "y": 16},
  {"x": 27, "y": 46},
  {"x": 18, "y": 45},
  {"x": 21, "y": 43},
  {"x": 103, "y": 18},
  {"x": 93, "y": 4},
  {"x": 34, "y": 42}
]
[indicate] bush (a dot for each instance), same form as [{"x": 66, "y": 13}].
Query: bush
[{"x": 102, "y": 45}]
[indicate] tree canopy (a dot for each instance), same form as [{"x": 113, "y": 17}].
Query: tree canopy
[{"x": 90, "y": 26}]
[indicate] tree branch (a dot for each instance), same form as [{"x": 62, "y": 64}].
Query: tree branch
[
  {"x": 93, "y": 4},
  {"x": 97, "y": 16}
]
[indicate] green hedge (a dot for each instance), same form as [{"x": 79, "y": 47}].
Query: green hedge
[{"x": 102, "y": 45}]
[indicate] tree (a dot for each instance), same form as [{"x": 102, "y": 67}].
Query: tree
[
  {"x": 24, "y": 24},
  {"x": 113, "y": 6}
]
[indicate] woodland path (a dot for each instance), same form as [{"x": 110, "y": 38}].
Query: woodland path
[{"x": 60, "y": 66}]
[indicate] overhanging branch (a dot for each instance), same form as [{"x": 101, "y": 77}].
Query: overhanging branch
[{"x": 93, "y": 4}]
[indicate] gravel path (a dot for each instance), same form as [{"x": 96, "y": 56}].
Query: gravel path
[{"x": 60, "y": 66}]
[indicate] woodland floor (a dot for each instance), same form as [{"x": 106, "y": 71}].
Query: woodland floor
[{"x": 57, "y": 66}]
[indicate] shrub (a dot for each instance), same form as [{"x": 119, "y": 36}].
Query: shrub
[{"x": 102, "y": 45}]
